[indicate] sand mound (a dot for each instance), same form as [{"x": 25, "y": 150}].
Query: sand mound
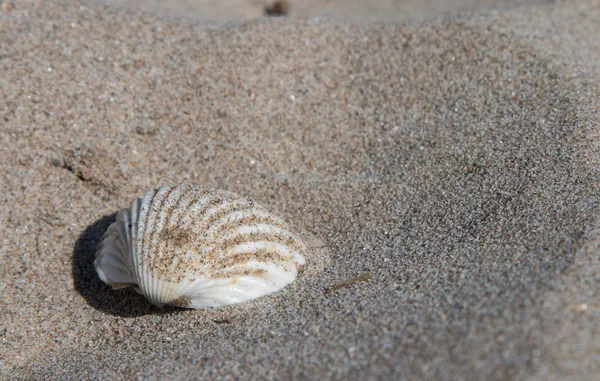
[{"x": 454, "y": 161}]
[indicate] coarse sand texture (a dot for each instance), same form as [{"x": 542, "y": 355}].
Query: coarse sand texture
[{"x": 439, "y": 166}]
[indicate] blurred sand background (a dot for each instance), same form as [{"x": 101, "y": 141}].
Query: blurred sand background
[
  {"x": 355, "y": 11},
  {"x": 449, "y": 149}
]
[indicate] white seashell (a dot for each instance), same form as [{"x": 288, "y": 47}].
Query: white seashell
[{"x": 193, "y": 246}]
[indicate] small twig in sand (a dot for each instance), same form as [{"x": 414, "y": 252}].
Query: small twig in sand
[{"x": 349, "y": 282}]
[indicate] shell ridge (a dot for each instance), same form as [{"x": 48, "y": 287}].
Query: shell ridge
[
  {"x": 196, "y": 208},
  {"x": 164, "y": 294},
  {"x": 160, "y": 217},
  {"x": 200, "y": 207},
  {"x": 198, "y": 204},
  {"x": 145, "y": 212},
  {"x": 135, "y": 211},
  {"x": 113, "y": 257},
  {"x": 111, "y": 268},
  {"x": 152, "y": 254},
  {"x": 125, "y": 237},
  {"x": 236, "y": 261},
  {"x": 144, "y": 206},
  {"x": 112, "y": 260},
  {"x": 241, "y": 217},
  {"x": 159, "y": 293},
  {"x": 175, "y": 215},
  {"x": 258, "y": 231},
  {"x": 139, "y": 226},
  {"x": 252, "y": 246},
  {"x": 262, "y": 232},
  {"x": 222, "y": 210},
  {"x": 180, "y": 207},
  {"x": 178, "y": 210}
]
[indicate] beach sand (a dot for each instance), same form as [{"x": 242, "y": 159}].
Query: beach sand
[{"x": 450, "y": 156}]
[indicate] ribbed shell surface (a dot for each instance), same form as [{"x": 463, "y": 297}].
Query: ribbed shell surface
[{"x": 194, "y": 246}]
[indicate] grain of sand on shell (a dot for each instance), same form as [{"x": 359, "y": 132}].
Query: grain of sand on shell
[{"x": 454, "y": 160}]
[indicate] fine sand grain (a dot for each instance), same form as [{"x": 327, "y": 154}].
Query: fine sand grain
[{"x": 444, "y": 172}]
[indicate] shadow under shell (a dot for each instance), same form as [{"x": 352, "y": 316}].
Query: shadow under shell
[{"x": 124, "y": 302}]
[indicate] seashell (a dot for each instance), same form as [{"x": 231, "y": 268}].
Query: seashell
[{"x": 193, "y": 246}]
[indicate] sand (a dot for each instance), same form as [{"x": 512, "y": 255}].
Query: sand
[{"x": 448, "y": 156}]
